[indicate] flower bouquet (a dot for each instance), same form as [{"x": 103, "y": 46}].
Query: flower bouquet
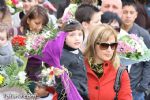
[
  {"x": 19, "y": 43},
  {"x": 14, "y": 6},
  {"x": 132, "y": 49},
  {"x": 47, "y": 76},
  {"x": 13, "y": 76},
  {"x": 69, "y": 12},
  {"x": 36, "y": 41}
]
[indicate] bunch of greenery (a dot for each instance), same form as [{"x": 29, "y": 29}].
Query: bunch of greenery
[{"x": 14, "y": 76}]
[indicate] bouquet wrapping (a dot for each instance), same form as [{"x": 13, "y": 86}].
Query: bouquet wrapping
[{"x": 132, "y": 49}]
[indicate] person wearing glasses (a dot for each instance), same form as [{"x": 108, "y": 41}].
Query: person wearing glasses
[
  {"x": 112, "y": 19},
  {"x": 102, "y": 62}
]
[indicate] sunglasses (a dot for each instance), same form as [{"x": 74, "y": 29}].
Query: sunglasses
[{"x": 105, "y": 46}]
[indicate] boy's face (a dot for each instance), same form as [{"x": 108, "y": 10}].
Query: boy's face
[
  {"x": 129, "y": 15},
  {"x": 74, "y": 39},
  {"x": 3, "y": 38},
  {"x": 40, "y": 91},
  {"x": 95, "y": 20}
]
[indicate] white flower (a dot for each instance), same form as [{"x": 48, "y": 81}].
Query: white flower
[
  {"x": 22, "y": 77},
  {"x": 19, "y": 5},
  {"x": 12, "y": 10},
  {"x": 51, "y": 81},
  {"x": 46, "y": 72},
  {"x": 46, "y": 34},
  {"x": 29, "y": 44},
  {"x": 139, "y": 49},
  {"x": 58, "y": 71}
]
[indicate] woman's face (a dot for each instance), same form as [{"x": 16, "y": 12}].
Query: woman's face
[
  {"x": 27, "y": 4},
  {"x": 115, "y": 25},
  {"x": 35, "y": 25},
  {"x": 74, "y": 39},
  {"x": 103, "y": 51}
]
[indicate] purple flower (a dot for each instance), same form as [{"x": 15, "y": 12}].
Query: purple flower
[{"x": 125, "y": 48}]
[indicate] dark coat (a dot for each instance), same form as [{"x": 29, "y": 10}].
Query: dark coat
[
  {"x": 75, "y": 65},
  {"x": 34, "y": 68},
  {"x": 140, "y": 72}
]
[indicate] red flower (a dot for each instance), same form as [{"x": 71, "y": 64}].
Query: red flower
[
  {"x": 19, "y": 41},
  {"x": 51, "y": 73},
  {"x": 15, "y": 2}
]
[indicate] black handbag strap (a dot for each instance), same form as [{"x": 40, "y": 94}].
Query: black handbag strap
[{"x": 118, "y": 81}]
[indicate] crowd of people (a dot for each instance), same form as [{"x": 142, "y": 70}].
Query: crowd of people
[{"x": 86, "y": 46}]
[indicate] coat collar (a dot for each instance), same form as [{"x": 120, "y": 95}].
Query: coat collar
[{"x": 107, "y": 66}]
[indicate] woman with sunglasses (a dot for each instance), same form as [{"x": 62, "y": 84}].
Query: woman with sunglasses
[{"x": 102, "y": 62}]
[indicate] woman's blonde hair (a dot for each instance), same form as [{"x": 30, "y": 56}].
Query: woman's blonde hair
[{"x": 101, "y": 32}]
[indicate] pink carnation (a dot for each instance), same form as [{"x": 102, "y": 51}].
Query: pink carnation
[{"x": 124, "y": 48}]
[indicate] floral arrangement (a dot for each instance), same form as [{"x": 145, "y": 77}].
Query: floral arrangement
[
  {"x": 132, "y": 49},
  {"x": 14, "y": 6},
  {"x": 69, "y": 13},
  {"x": 47, "y": 75},
  {"x": 49, "y": 6},
  {"x": 13, "y": 76},
  {"x": 36, "y": 41},
  {"x": 19, "y": 43},
  {"x": 33, "y": 43}
]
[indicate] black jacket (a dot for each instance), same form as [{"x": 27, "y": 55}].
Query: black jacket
[
  {"x": 140, "y": 72},
  {"x": 75, "y": 65}
]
